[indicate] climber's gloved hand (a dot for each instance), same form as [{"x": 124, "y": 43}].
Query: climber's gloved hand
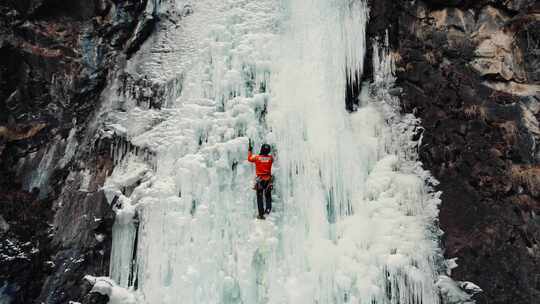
[{"x": 250, "y": 146}]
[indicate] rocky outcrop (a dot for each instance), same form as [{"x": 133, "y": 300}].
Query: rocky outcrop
[
  {"x": 469, "y": 70},
  {"x": 56, "y": 58}
]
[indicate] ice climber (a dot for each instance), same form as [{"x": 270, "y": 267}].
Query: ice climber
[{"x": 263, "y": 181}]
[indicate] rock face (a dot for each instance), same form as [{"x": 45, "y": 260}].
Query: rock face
[
  {"x": 469, "y": 70},
  {"x": 55, "y": 59}
]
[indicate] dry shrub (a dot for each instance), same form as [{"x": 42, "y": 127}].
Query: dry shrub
[
  {"x": 476, "y": 112},
  {"x": 19, "y": 133},
  {"x": 430, "y": 57},
  {"x": 510, "y": 131},
  {"x": 527, "y": 177}
]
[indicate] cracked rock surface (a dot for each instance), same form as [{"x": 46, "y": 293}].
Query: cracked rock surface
[{"x": 56, "y": 57}]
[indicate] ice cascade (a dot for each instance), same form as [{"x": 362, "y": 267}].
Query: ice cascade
[{"x": 354, "y": 213}]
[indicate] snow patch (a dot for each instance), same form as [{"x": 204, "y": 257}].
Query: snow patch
[
  {"x": 106, "y": 286},
  {"x": 99, "y": 237}
]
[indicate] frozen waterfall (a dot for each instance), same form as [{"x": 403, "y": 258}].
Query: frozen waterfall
[{"x": 354, "y": 213}]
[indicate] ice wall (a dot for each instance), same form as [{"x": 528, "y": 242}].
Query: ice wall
[
  {"x": 358, "y": 214},
  {"x": 354, "y": 214},
  {"x": 197, "y": 235}
]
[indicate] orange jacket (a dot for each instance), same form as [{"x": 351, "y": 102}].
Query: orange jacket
[{"x": 263, "y": 165}]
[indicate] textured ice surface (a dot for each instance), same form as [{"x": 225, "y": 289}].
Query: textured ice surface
[
  {"x": 39, "y": 177},
  {"x": 354, "y": 215}
]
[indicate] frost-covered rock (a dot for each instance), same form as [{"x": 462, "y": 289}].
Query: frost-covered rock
[
  {"x": 116, "y": 294},
  {"x": 457, "y": 292}
]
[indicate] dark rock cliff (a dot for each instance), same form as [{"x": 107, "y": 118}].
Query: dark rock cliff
[
  {"x": 470, "y": 71},
  {"x": 55, "y": 59}
]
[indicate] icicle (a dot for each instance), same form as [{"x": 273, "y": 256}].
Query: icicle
[
  {"x": 354, "y": 21},
  {"x": 121, "y": 265}
]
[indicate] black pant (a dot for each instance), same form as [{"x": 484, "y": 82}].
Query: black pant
[{"x": 264, "y": 188}]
